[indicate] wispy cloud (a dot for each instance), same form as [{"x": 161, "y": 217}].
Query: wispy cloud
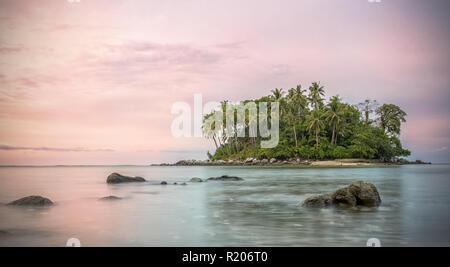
[
  {"x": 55, "y": 149},
  {"x": 182, "y": 151},
  {"x": 11, "y": 49}
]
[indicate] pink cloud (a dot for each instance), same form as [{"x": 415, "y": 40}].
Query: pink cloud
[{"x": 74, "y": 77}]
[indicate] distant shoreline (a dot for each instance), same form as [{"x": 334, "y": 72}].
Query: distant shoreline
[{"x": 292, "y": 162}]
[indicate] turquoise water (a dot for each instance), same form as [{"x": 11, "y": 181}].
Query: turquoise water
[{"x": 263, "y": 210}]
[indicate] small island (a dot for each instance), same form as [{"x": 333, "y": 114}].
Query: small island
[{"x": 312, "y": 131}]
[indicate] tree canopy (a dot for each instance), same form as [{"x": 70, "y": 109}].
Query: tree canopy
[{"x": 312, "y": 128}]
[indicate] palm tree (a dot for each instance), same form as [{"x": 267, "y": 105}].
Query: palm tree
[
  {"x": 315, "y": 95},
  {"x": 296, "y": 105},
  {"x": 315, "y": 124},
  {"x": 277, "y": 94},
  {"x": 209, "y": 132},
  {"x": 292, "y": 118},
  {"x": 333, "y": 116}
]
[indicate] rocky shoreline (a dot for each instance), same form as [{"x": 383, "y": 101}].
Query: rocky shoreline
[{"x": 291, "y": 162}]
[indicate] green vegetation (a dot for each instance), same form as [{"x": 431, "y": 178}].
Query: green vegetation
[{"x": 312, "y": 128}]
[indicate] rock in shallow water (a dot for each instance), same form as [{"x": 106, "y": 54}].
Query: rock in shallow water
[
  {"x": 196, "y": 180},
  {"x": 32, "y": 201},
  {"x": 356, "y": 194},
  {"x": 115, "y": 178},
  {"x": 110, "y": 198},
  {"x": 225, "y": 178},
  {"x": 318, "y": 201}
]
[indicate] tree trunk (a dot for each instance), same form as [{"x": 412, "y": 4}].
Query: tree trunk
[
  {"x": 236, "y": 143},
  {"x": 295, "y": 136},
  {"x": 215, "y": 142},
  {"x": 332, "y": 136},
  {"x": 317, "y": 138}
]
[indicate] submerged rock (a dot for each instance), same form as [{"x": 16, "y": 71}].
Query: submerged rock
[
  {"x": 196, "y": 180},
  {"x": 115, "y": 178},
  {"x": 225, "y": 178},
  {"x": 110, "y": 198},
  {"x": 356, "y": 194},
  {"x": 32, "y": 201},
  {"x": 163, "y": 182}
]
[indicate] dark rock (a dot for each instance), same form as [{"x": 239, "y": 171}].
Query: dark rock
[
  {"x": 356, "y": 194},
  {"x": 115, "y": 178},
  {"x": 225, "y": 178},
  {"x": 110, "y": 198},
  {"x": 32, "y": 201},
  {"x": 196, "y": 180},
  {"x": 175, "y": 183},
  {"x": 318, "y": 201},
  {"x": 366, "y": 194},
  {"x": 163, "y": 182},
  {"x": 343, "y": 197}
]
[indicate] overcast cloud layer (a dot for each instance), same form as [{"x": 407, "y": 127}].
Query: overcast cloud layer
[{"x": 93, "y": 82}]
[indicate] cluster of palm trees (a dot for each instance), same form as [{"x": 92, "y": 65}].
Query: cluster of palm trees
[
  {"x": 301, "y": 108},
  {"x": 305, "y": 120}
]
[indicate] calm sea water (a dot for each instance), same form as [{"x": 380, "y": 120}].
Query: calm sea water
[{"x": 263, "y": 210}]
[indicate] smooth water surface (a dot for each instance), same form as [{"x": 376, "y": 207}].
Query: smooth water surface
[{"x": 262, "y": 210}]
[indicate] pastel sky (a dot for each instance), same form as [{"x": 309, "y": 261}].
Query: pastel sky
[{"x": 93, "y": 82}]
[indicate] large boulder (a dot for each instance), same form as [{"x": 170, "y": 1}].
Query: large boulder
[
  {"x": 225, "y": 178},
  {"x": 356, "y": 194},
  {"x": 366, "y": 194},
  {"x": 318, "y": 201},
  {"x": 32, "y": 201},
  {"x": 115, "y": 178},
  {"x": 343, "y": 197}
]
